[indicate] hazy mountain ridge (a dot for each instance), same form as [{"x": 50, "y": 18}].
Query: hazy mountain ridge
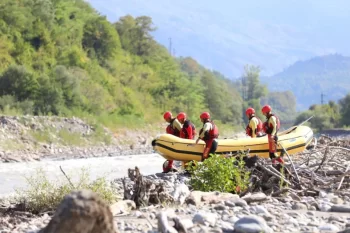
[
  {"x": 328, "y": 75},
  {"x": 225, "y": 35}
]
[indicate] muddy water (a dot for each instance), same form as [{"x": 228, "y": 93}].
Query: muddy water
[{"x": 12, "y": 175}]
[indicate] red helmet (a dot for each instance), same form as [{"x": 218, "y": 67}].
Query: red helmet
[
  {"x": 205, "y": 115},
  {"x": 250, "y": 111},
  {"x": 167, "y": 115},
  {"x": 266, "y": 109},
  {"x": 181, "y": 116}
]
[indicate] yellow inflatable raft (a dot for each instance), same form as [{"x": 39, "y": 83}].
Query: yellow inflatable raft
[{"x": 294, "y": 139}]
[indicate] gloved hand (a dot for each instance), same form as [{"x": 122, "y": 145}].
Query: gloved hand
[{"x": 275, "y": 138}]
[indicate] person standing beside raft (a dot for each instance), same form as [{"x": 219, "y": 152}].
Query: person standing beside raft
[
  {"x": 173, "y": 128},
  {"x": 255, "y": 127},
  {"x": 188, "y": 130},
  {"x": 209, "y": 133},
  {"x": 271, "y": 127}
]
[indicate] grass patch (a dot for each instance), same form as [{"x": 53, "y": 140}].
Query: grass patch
[
  {"x": 42, "y": 136},
  {"x": 45, "y": 195},
  {"x": 71, "y": 138},
  {"x": 100, "y": 135},
  {"x": 10, "y": 144},
  {"x": 67, "y": 138},
  {"x": 112, "y": 121}
]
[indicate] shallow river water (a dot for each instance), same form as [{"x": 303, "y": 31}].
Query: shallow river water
[{"x": 12, "y": 175}]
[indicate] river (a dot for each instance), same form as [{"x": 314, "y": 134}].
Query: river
[{"x": 12, "y": 175}]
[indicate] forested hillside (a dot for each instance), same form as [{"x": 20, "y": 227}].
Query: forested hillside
[
  {"x": 327, "y": 75},
  {"x": 62, "y": 57}
]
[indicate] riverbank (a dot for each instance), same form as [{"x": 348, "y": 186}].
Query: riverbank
[{"x": 33, "y": 138}]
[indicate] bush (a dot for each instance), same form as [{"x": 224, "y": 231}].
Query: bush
[
  {"x": 45, "y": 195},
  {"x": 10, "y": 106},
  {"x": 218, "y": 173}
]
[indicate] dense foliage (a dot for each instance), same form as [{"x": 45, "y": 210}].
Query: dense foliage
[
  {"x": 218, "y": 173},
  {"x": 62, "y": 57},
  {"x": 327, "y": 116}
]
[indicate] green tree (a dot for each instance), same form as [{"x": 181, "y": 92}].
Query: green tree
[
  {"x": 326, "y": 116},
  {"x": 136, "y": 34},
  {"x": 69, "y": 85},
  {"x": 19, "y": 82},
  {"x": 50, "y": 98},
  {"x": 251, "y": 83},
  {"x": 44, "y": 11},
  {"x": 100, "y": 40}
]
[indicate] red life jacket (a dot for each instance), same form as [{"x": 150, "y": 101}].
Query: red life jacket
[
  {"x": 213, "y": 133},
  {"x": 171, "y": 130},
  {"x": 258, "y": 130},
  {"x": 268, "y": 127},
  {"x": 188, "y": 130}
]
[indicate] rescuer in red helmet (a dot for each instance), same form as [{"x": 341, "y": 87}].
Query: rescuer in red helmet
[
  {"x": 173, "y": 128},
  {"x": 255, "y": 127},
  {"x": 209, "y": 133},
  {"x": 188, "y": 130},
  {"x": 271, "y": 127}
]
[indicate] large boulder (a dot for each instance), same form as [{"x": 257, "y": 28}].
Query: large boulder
[{"x": 81, "y": 212}]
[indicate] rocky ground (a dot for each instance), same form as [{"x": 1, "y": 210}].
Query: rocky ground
[
  {"x": 217, "y": 212},
  {"x": 319, "y": 202},
  {"x": 27, "y": 138}
]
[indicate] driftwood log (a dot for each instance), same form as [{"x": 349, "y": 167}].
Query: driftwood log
[
  {"x": 324, "y": 166},
  {"x": 144, "y": 191}
]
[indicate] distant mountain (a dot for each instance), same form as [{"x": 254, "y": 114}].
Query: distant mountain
[
  {"x": 225, "y": 35},
  {"x": 328, "y": 75}
]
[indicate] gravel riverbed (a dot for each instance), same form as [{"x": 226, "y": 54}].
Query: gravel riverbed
[{"x": 215, "y": 212}]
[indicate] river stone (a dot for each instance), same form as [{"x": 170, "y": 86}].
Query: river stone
[
  {"x": 194, "y": 198},
  {"x": 180, "y": 193},
  {"x": 337, "y": 201},
  {"x": 255, "y": 197},
  {"x": 123, "y": 206},
  {"x": 261, "y": 210},
  {"x": 81, "y": 211},
  {"x": 220, "y": 207},
  {"x": 229, "y": 203},
  {"x": 252, "y": 224},
  {"x": 299, "y": 206},
  {"x": 325, "y": 207},
  {"x": 239, "y": 202},
  {"x": 204, "y": 218},
  {"x": 328, "y": 228},
  {"x": 340, "y": 208}
]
